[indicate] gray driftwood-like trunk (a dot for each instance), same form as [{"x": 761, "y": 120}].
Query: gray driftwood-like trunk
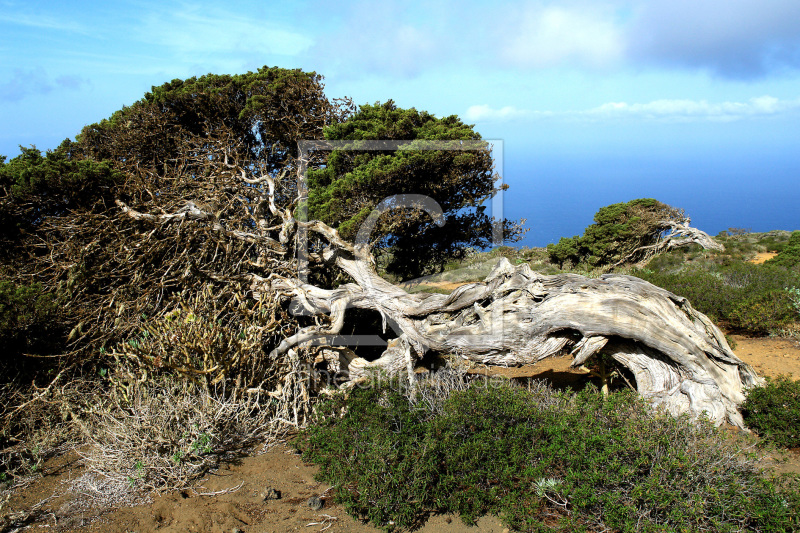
[{"x": 680, "y": 359}]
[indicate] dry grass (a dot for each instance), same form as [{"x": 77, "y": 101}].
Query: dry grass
[{"x": 169, "y": 434}]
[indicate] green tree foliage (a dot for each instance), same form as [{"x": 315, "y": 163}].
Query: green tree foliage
[
  {"x": 254, "y": 119},
  {"x": 352, "y": 184},
  {"x": 34, "y": 186},
  {"x": 29, "y": 324},
  {"x": 618, "y": 230},
  {"x": 789, "y": 256}
]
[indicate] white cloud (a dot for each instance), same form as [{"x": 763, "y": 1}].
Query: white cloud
[
  {"x": 549, "y": 36},
  {"x": 742, "y": 39},
  {"x": 485, "y": 113},
  {"x": 686, "y": 110},
  {"x": 671, "y": 110}
]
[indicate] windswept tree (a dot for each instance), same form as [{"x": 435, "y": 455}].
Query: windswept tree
[
  {"x": 629, "y": 232},
  {"x": 200, "y": 267},
  {"x": 256, "y": 118}
]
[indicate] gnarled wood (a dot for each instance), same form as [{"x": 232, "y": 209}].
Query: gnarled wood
[
  {"x": 678, "y": 233},
  {"x": 516, "y": 316}
]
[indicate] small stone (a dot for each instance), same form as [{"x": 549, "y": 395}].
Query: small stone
[
  {"x": 236, "y": 530},
  {"x": 315, "y": 503},
  {"x": 271, "y": 494}
]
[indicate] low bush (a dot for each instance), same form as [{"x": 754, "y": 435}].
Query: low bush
[
  {"x": 164, "y": 434},
  {"x": 765, "y": 312},
  {"x": 744, "y": 296},
  {"x": 789, "y": 255},
  {"x": 773, "y": 411},
  {"x": 542, "y": 460}
]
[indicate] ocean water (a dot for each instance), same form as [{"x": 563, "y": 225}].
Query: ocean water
[{"x": 559, "y": 195}]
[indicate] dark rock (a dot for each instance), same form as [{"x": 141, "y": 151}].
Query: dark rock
[{"x": 315, "y": 503}]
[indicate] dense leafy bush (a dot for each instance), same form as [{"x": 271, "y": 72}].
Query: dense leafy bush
[
  {"x": 28, "y": 323},
  {"x": 764, "y": 312},
  {"x": 617, "y": 231},
  {"x": 541, "y": 460},
  {"x": 742, "y": 295},
  {"x": 773, "y": 411},
  {"x": 789, "y": 255}
]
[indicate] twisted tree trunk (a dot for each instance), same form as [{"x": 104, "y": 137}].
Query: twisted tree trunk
[
  {"x": 680, "y": 359},
  {"x": 679, "y": 233}
]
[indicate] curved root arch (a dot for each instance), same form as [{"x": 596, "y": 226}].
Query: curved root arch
[
  {"x": 680, "y": 359},
  {"x": 516, "y": 316}
]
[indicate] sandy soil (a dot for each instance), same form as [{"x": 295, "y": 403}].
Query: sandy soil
[
  {"x": 762, "y": 257},
  {"x": 239, "y": 504}
]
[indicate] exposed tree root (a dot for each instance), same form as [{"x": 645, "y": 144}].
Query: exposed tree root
[{"x": 680, "y": 359}]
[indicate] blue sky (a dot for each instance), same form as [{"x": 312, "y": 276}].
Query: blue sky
[{"x": 693, "y": 102}]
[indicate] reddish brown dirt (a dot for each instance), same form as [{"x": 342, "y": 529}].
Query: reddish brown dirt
[
  {"x": 769, "y": 356},
  {"x": 245, "y": 510}
]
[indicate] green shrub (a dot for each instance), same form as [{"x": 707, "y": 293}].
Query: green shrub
[
  {"x": 773, "y": 411},
  {"x": 789, "y": 256},
  {"x": 742, "y": 295},
  {"x": 541, "y": 460},
  {"x": 765, "y": 312},
  {"x": 28, "y": 323}
]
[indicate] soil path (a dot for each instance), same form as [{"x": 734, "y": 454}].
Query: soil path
[{"x": 239, "y": 506}]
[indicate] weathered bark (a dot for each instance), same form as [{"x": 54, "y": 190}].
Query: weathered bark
[
  {"x": 680, "y": 234},
  {"x": 680, "y": 359}
]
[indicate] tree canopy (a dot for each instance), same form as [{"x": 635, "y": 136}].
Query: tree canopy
[
  {"x": 36, "y": 186},
  {"x": 254, "y": 120},
  {"x": 618, "y": 231},
  {"x": 353, "y": 183}
]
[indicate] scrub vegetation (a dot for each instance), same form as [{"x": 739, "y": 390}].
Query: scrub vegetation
[{"x": 149, "y": 290}]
